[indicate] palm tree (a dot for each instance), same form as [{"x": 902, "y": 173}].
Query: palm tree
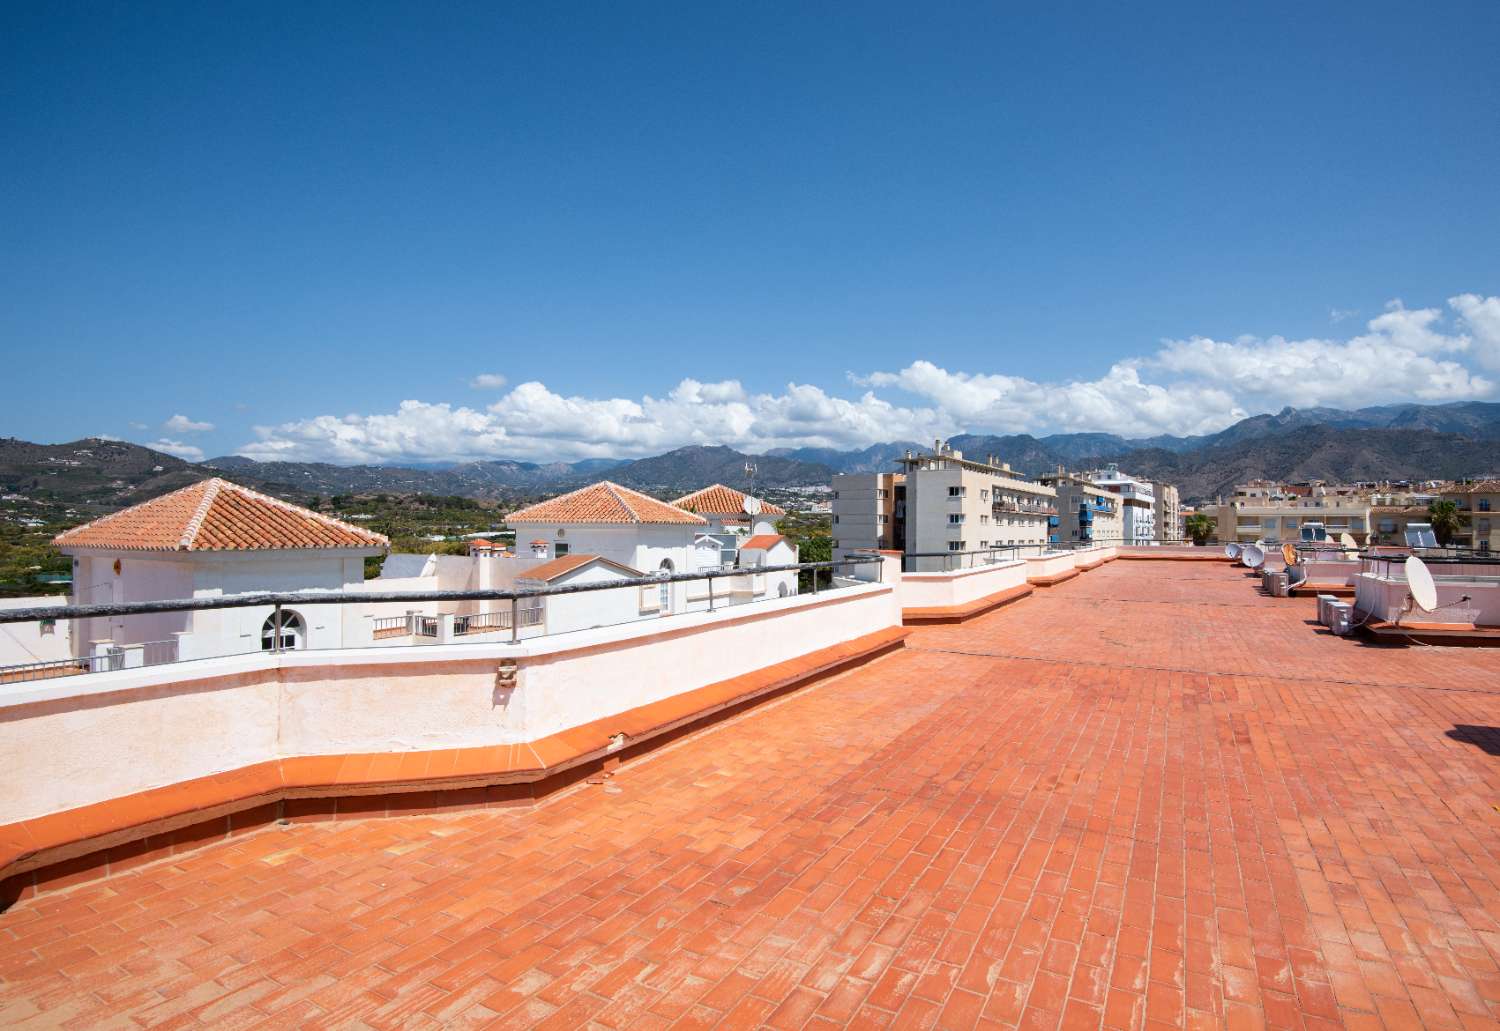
[
  {"x": 1443, "y": 515},
  {"x": 1199, "y": 526}
]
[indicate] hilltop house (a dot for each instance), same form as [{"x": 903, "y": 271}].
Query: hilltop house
[{"x": 207, "y": 540}]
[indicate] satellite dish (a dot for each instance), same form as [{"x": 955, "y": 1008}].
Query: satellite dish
[
  {"x": 1349, "y": 543},
  {"x": 1231, "y": 550},
  {"x": 1420, "y": 583},
  {"x": 1289, "y": 554},
  {"x": 751, "y": 506},
  {"x": 1253, "y": 557}
]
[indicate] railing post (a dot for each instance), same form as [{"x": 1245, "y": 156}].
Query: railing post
[
  {"x": 710, "y": 592},
  {"x": 515, "y": 623},
  {"x": 815, "y": 573},
  {"x": 276, "y": 628}
]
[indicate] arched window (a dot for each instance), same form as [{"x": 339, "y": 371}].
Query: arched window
[{"x": 293, "y": 632}]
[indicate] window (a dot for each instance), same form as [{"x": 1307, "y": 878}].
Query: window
[
  {"x": 955, "y": 545},
  {"x": 292, "y": 632},
  {"x": 559, "y": 549},
  {"x": 835, "y": 520},
  {"x": 955, "y": 492},
  {"x": 1484, "y": 504},
  {"x": 984, "y": 494},
  {"x": 984, "y": 519},
  {"x": 955, "y": 517}
]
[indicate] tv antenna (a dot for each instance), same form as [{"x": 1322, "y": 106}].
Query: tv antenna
[{"x": 750, "y": 474}]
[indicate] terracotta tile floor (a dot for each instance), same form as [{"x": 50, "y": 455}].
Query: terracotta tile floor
[{"x": 1148, "y": 795}]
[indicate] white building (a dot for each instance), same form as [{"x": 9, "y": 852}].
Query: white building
[
  {"x": 212, "y": 539},
  {"x": 1137, "y": 503}
]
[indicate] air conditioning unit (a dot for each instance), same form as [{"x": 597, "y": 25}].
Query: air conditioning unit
[
  {"x": 1277, "y": 584},
  {"x": 1341, "y": 618},
  {"x": 1323, "y": 616}
]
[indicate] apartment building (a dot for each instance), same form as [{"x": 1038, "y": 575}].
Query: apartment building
[
  {"x": 1260, "y": 518},
  {"x": 1166, "y": 510},
  {"x": 1137, "y": 503},
  {"x": 957, "y": 504},
  {"x": 1479, "y": 511},
  {"x": 869, "y": 513},
  {"x": 1084, "y": 512}
]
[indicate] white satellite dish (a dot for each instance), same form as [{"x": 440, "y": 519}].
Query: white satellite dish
[
  {"x": 1349, "y": 543},
  {"x": 751, "y": 506},
  {"x": 1420, "y": 584},
  {"x": 1231, "y": 550},
  {"x": 1253, "y": 557}
]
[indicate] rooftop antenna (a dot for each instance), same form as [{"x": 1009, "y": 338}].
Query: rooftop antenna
[
  {"x": 1232, "y": 551},
  {"x": 1252, "y": 556},
  {"x": 750, "y": 474}
]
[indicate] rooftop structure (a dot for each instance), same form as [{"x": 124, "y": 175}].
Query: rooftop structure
[
  {"x": 604, "y": 503},
  {"x": 216, "y": 515},
  {"x": 1037, "y": 818},
  {"x": 719, "y": 500}
]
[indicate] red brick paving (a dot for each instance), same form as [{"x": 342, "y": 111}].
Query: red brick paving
[{"x": 1148, "y": 795}]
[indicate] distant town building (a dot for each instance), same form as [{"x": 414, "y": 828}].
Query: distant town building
[
  {"x": 1166, "y": 510},
  {"x": 1478, "y": 508},
  {"x": 1138, "y": 503},
  {"x": 1085, "y": 512}
]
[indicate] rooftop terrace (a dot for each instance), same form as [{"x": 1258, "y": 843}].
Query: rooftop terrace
[{"x": 1147, "y": 794}]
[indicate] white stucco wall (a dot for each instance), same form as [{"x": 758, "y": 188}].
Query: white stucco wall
[
  {"x": 1050, "y": 564},
  {"x": 24, "y": 642},
  {"x": 86, "y": 739},
  {"x": 943, "y": 590}
]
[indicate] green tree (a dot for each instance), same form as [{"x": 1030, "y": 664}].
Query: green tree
[
  {"x": 1446, "y": 524},
  {"x": 1199, "y": 526}
]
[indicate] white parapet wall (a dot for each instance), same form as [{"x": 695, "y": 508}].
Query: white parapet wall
[
  {"x": 74, "y": 741},
  {"x": 1466, "y": 595},
  {"x": 1050, "y": 564},
  {"x": 23, "y": 643},
  {"x": 961, "y": 587}
]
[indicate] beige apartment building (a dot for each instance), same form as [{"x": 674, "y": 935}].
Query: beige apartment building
[
  {"x": 1258, "y": 518},
  {"x": 1167, "y": 510},
  {"x": 955, "y": 504},
  {"x": 941, "y": 503},
  {"x": 1479, "y": 510},
  {"x": 869, "y": 512},
  {"x": 1084, "y": 512}
]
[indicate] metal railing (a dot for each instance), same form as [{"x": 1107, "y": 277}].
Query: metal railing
[{"x": 520, "y": 609}]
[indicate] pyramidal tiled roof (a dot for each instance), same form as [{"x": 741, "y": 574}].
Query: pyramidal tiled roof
[
  {"x": 603, "y": 502},
  {"x": 722, "y": 500},
  {"x": 216, "y": 515}
]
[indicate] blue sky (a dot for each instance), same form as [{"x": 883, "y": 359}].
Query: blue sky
[{"x": 318, "y": 228}]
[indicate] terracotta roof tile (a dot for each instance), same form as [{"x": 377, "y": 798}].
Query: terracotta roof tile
[
  {"x": 763, "y": 541},
  {"x": 722, "y": 500},
  {"x": 604, "y": 502},
  {"x": 549, "y": 571},
  {"x": 216, "y": 515}
]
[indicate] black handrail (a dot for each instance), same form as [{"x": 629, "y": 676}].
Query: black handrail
[{"x": 314, "y": 597}]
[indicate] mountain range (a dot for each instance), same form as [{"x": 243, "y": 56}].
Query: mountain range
[{"x": 1406, "y": 441}]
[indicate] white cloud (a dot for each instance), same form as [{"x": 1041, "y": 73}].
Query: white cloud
[
  {"x": 186, "y": 452},
  {"x": 138, "y": 426},
  {"x": 1482, "y": 316},
  {"x": 1189, "y": 386},
  {"x": 182, "y": 424},
  {"x": 1404, "y": 355},
  {"x": 488, "y": 381}
]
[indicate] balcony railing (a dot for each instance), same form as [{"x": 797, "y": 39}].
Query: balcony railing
[{"x": 517, "y": 610}]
